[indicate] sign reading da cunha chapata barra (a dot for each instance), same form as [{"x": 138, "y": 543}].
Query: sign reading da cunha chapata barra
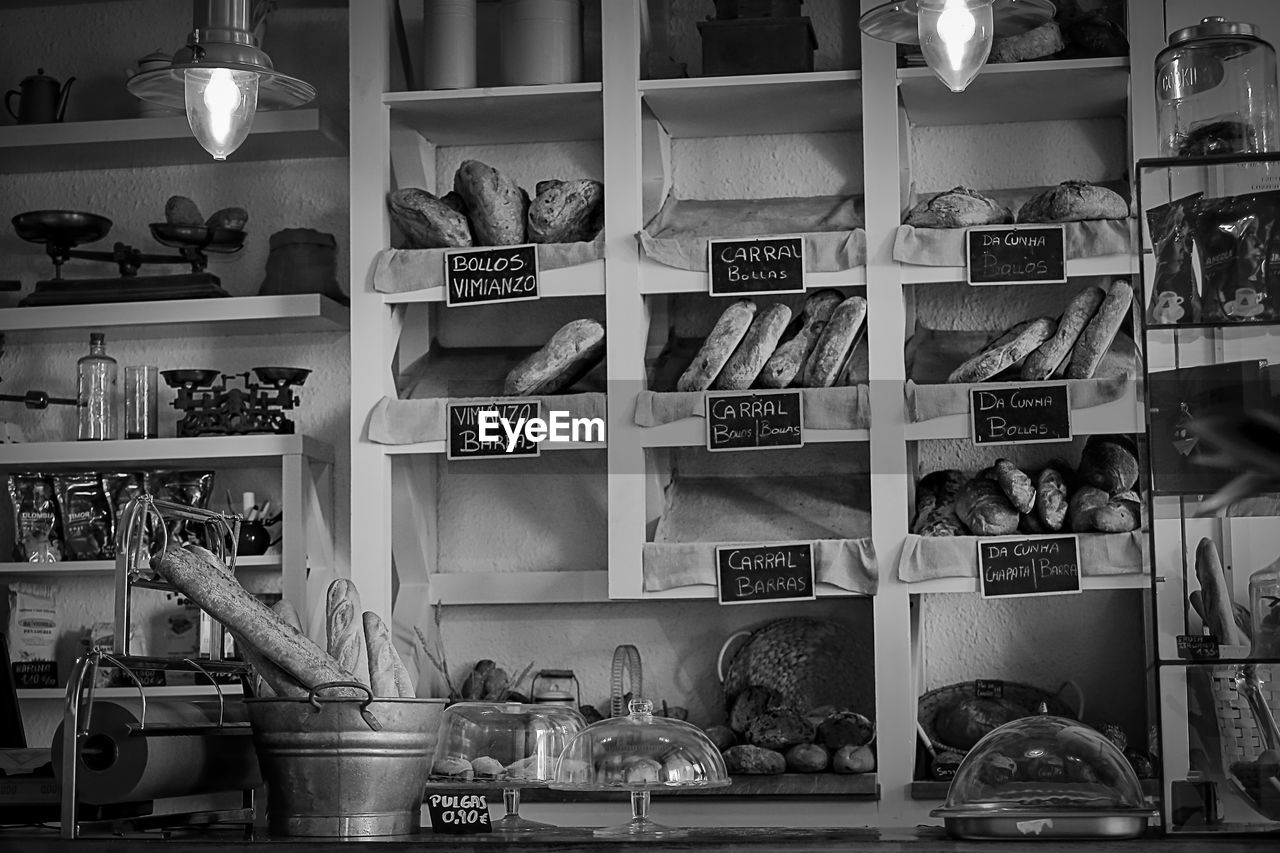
[
  {"x": 757, "y": 265},
  {"x": 491, "y": 274},
  {"x": 1013, "y": 567},
  {"x": 1021, "y": 414},
  {"x": 749, "y": 574},
  {"x": 1016, "y": 254}
]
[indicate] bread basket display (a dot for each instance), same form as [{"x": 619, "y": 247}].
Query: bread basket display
[{"x": 955, "y": 717}]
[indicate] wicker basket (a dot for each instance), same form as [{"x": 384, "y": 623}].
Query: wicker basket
[
  {"x": 1023, "y": 698},
  {"x": 808, "y": 662},
  {"x": 1242, "y": 737}
]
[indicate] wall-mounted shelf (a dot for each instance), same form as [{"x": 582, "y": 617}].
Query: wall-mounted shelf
[
  {"x": 497, "y": 116},
  {"x": 177, "y": 318},
  {"x": 1120, "y": 415},
  {"x": 238, "y": 451},
  {"x": 692, "y": 432},
  {"x": 167, "y": 141},
  {"x": 581, "y": 280},
  {"x": 266, "y": 562},
  {"x": 168, "y": 691},
  {"x": 1104, "y": 265},
  {"x": 658, "y": 279},
  {"x": 1088, "y": 583}
]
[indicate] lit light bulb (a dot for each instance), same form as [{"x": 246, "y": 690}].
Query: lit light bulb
[
  {"x": 220, "y": 107},
  {"x": 955, "y": 37}
]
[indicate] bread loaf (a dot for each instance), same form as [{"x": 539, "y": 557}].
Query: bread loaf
[
  {"x": 1118, "y": 515},
  {"x": 426, "y": 221},
  {"x": 957, "y": 208},
  {"x": 180, "y": 210},
  {"x": 753, "y": 760},
  {"x": 1098, "y": 336},
  {"x": 344, "y": 630},
  {"x": 1045, "y": 360},
  {"x": 1217, "y": 602},
  {"x": 388, "y": 676},
  {"x": 835, "y": 344},
  {"x": 1051, "y": 498},
  {"x": 935, "y": 504},
  {"x": 719, "y": 346},
  {"x": 1084, "y": 504},
  {"x": 788, "y": 360},
  {"x": 1074, "y": 201},
  {"x": 573, "y": 350},
  {"x": 984, "y": 509},
  {"x": 1044, "y": 40},
  {"x": 230, "y": 218},
  {"x": 1005, "y": 351},
  {"x": 761, "y": 339},
  {"x": 497, "y": 207},
  {"x": 1109, "y": 462},
  {"x": 1015, "y": 484},
  {"x": 566, "y": 211}
]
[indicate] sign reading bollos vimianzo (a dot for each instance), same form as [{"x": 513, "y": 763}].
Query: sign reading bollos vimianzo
[
  {"x": 1021, "y": 414},
  {"x": 738, "y": 420},
  {"x": 1016, "y": 254},
  {"x": 491, "y": 274},
  {"x": 463, "y": 437},
  {"x": 1012, "y": 567},
  {"x": 758, "y": 265},
  {"x": 748, "y": 574}
]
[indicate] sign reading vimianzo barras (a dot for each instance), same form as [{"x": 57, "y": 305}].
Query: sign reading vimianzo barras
[
  {"x": 491, "y": 274},
  {"x": 747, "y": 574},
  {"x": 1016, "y": 254},
  {"x": 472, "y": 434},
  {"x": 756, "y": 265},
  {"x": 1014, "y": 567}
]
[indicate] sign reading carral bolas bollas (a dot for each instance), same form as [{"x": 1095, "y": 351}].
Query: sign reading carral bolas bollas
[{"x": 558, "y": 427}]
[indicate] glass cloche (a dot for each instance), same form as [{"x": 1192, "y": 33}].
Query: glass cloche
[
  {"x": 506, "y": 745},
  {"x": 640, "y": 753},
  {"x": 1045, "y": 777}
]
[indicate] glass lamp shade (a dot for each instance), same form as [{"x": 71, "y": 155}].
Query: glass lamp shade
[
  {"x": 955, "y": 36},
  {"x": 220, "y": 107}
]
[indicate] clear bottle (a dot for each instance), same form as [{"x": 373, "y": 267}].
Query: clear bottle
[{"x": 96, "y": 392}]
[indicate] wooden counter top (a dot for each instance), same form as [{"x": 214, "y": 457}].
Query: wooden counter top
[{"x": 576, "y": 840}]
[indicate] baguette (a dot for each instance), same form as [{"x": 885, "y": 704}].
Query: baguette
[
  {"x": 220, "y": 595},
  {"x": 1046, "y": 359},
  {"x": 344, "y": 631},
  {"x": 271, "y": 679},
  {"x": 286, "y": 611},
  {"x": 1219, "y": 613},
  {"x": 1006, "y": 350},
  {"x": 388, "y": 676}
]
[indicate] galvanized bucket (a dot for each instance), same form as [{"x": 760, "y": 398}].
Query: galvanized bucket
[{"x": 344, "y": 767}]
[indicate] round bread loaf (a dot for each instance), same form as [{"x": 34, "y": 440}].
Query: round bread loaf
[
  {"x": 835, "y": 343},
  {"x": 1007, "y": 350},
  {"x": 718, "y": 347},
  {"x": 428, "y": 222},
  {"x": 958, "y": 208},
  {"x": 1047, "y": 357},
  {"x": 566, "y": 211},
  {"x": 984, "y": 509},
  {"x": 788, "y": 360},
  {"x": 1074, "y": 201},
  {"x": 1044, "y": 40},
  {"x": 1098, "y": 336},
  {"x": 757, "y": 345},
  {"x": 572, "y": 351},
  {"x": 496, "y": 205}
]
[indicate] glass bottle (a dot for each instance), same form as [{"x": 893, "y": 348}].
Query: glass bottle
[{"x": 96, "y": 392}]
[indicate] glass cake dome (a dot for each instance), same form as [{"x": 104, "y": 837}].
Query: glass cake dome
[
  {"x": 640, "y": 753},
  {"x": 1048, "y": 777},
  {"x": 506, "y": 745}
]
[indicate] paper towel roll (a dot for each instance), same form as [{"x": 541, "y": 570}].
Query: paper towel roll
[{"x": 116, "y": 766}]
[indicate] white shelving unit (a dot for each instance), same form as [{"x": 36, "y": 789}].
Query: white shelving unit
[
  {"x": 263, "y": 563},
  {"x": 174, "y": 691}
]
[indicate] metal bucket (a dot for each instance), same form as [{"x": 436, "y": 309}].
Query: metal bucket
[{"x": 344, "y": 767}]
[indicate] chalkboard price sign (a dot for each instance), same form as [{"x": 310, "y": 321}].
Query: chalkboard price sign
[
  {"x": 1020, "y": 414},
  {"x": 1197, "y": 647},
  {"x": 458, "y": 814},
  {"x": 754, "y": 420},
  {"x": 756, "y": 266},
  {"x": 466, "y": 434},
  {"x": 1014, "y": 567},
  {"x": 1016, "y": 254},
  {"x": 493, "y": 274},
  {"x": 749, "y": 574}
]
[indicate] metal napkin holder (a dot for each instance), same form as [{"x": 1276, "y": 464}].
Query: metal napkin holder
[{"x": 145, "y": 520}]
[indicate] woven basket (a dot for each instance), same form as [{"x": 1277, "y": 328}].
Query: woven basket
[
  {"x": 1023, "y": 698},
  {"x": 1240, "y": 733},
  {"x": 808, "y": 662}
]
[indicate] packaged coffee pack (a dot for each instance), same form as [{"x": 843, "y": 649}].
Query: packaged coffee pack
[
  {"x": 1232, "y": 237},
  {"x": 190, "y": 488},
  {"x": 1175, "y": 293},
  {"x": 37, "y": 531},
  {"x": 33, "y": 634},
  {"x": 87, "y": 519}
]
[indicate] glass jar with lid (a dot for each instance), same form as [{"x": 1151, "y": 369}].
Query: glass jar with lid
[{"x": 1216, "y": 91}]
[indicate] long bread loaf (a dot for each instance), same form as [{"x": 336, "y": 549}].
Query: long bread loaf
[
  {"x": 719, "y": 346},
  {"x": 1218, "y": 615},
  {"x": 1042, "y": 363},
  {"x": 1006, "y": 350},
  {"x": 344, "y": 630},
  {"x": 388, "y": 676},
  {"x": 835, "y": 344},
  {"x": 1097, "y": 337},
  {"x": 761, "y": 339}
]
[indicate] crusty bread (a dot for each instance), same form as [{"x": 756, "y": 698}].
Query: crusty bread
[
  {"x": 984, "y": 509},
  {"x": 1044, "y": 40},
  {"x": 572, "y": 351},
  {"x": 1006, "y": 350},
  {"x": 1109, "y": 462},
  {"x": 1084, "y": 504},
  {"x": 566, "y": 211},
  {"x": 1015, "y": 484},
  {"x": 835, "y": 343},
  {"x": 1047, "y": 357},
  {"x": 754, "y": 350},
  {"x": 344, "y": 629},
  {"x": 1074, "y": 201},
  {"x": 428, "y": 222},
  {"x": 496, "y": 205},
  {"x": 958, "y": 208},
  {"x": 1098, "y": 336},
  {"x": 1051, "y": 498},
  {"x": 936, "y": 504},
  {"x": 720, "y": 344},
  {"x": 785, "y": 365}
]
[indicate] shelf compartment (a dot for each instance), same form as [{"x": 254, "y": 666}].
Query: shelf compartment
[
  {"x": 240, "y": 451},
  {"x": 502, "y": 115},
  {"x": 93, "y": 567},
  {"x": 178, "y": 318},
  {"x": 586, "y": 279},
  {"x": 1052, "y": 90},
  {"x": 950, "y": 563},
  {"x": 167, "y": 141},
  {"x": 808, "y": 102}
]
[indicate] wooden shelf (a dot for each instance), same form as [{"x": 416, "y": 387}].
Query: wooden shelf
[
  {"x": 1088, "y": 583},
  {"x": 429, "y": 447},
  {"x": 149, "y": 142},
  {"x": 580, "y": 280},
  {"x": 1053, "y": 90},
  {"x": 238, "y": 451},
  {"x": 1104, "y": 265},
  {"x": 498, "y": 116},
  {"x": 170, "y": 691},
  {"x": 177, "y": 318},
  {"x": 815, "y": 102},
  {"x": 692, "y": 432},
  {"x": 658, "y": 279},
  {"x": 1121, "y": 415},
  {"x": 521, "y": 587},
  {"x": 708, "y": 591},
  {"x": 107, "y": 567}
]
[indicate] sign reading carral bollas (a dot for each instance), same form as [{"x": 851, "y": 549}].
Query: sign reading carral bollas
[{"x": 756, "y": 265}]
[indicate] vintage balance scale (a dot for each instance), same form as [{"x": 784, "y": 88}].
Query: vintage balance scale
[{"x": 61, "y": 231}]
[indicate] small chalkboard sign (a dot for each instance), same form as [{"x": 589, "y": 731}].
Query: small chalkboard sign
[
  {"x": 1020, "y": 414},
  {"x": 988, "y": 688},
  {"x": 491, "y": 274},
  {"x": 1014, "y": 567},
  {"x": 454, "y": 813},
  {"x": 1197, "y": 647},
  {"x": 738, "y": 420},
  {"x": 1016, "y": 254},
  {"x": 759, "y": 265},
  {"x": 469, "y": 424},
  {"x": 749, "y": 574}
]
